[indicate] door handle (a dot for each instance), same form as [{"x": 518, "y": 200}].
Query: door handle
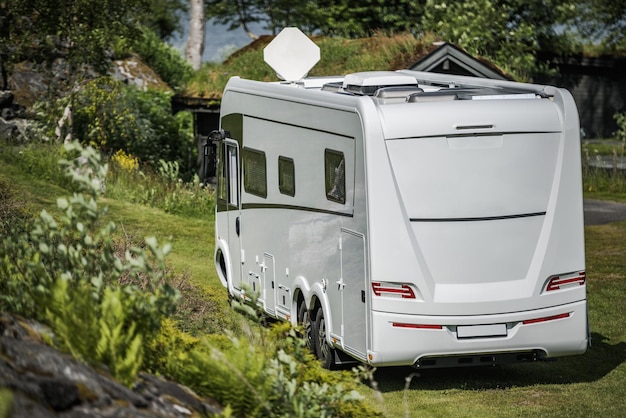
[{"x": 237, "y": 226}]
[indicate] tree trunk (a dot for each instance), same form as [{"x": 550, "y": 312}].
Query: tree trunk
[{"x": 195, "y": 41}]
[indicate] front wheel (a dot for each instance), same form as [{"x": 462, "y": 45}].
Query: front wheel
[{"x": 325, "y": 353}]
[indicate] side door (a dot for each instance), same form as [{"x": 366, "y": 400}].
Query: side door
[
  {"x": 232, "y": 179},
  {"x": 353, "y": 295}
]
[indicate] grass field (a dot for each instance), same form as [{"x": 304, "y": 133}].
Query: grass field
[{"x": 590, "y": 385}]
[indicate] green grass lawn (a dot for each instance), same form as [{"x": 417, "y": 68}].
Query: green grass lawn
[{"x": 590, "y": 385}]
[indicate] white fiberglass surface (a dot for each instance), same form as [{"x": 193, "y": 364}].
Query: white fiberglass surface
[
  {"x": 471, "y": 253},
  {"x": 477, "y": 207},
  {"x": 480, "y": 176}
]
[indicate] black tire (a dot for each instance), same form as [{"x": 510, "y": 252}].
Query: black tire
[
  {"x": 304, "y": 320},
  {"x": 325, "y": 353}
]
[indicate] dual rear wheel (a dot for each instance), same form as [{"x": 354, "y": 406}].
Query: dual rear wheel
[{"x": 315, "y": 333}]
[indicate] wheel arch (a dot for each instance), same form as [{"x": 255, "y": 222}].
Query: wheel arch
[{"x": 223, "y": 264}]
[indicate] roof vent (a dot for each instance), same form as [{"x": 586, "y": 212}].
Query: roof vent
[{"x": 367, "y": 83}]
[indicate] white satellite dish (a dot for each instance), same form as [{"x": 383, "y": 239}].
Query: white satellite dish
[{"x": 291, "y": 54}]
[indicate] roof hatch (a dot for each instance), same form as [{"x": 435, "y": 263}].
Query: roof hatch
[{"x": 367, "y": 83}]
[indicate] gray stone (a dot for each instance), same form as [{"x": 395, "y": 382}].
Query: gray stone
[{"x": 45, "y": 382}]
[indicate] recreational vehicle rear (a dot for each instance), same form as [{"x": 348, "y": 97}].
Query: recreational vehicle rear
[{"x": 406, "y": 218}]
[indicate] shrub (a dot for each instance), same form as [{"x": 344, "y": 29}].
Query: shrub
[
  {"x": 165, "y": 60},
  {"x": 65, "y": 271},
  {"x": 111, "y": 116},
  {"x": 269, "y": 373}
]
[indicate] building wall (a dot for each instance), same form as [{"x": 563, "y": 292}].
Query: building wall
[{"x": 598, "y": 85}]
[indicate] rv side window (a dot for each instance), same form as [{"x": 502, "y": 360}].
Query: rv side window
[
  {"x": 254, "y": 172},
  {"x": 335, "y": 175},
  {"x": 286, "y": 176},
  {"x": 221, "y": 174}
]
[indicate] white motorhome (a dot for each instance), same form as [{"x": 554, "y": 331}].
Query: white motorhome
[{"x": 406, "y": 218}]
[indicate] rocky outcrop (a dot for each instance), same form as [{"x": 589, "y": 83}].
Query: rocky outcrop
[{"x": 37, "y": 380}]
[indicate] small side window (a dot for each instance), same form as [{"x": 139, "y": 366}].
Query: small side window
[
  {"x": 254, "y": 172},
  {"x": 286, "y": 176},
  {"x": 335, "y": 176}
]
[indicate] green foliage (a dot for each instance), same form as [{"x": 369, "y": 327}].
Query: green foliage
[
  {"x": 66, "y": 271},
  {"x": 268, "y": 381},
  {"x": 164, "y": 18},
  {"x": 97, "y": 329},
  {"x": 111, "y": 116},
  {"x": 163, "y": 189},
  {"x": 338, "y": 56},
  {"x": 301, "y": 387},
  {"x": 14, "y": 214},
  {"x": 486, "y": 28},
  {"x": 620, "y": 118},
  {"x": 166, "y": 61},
  {"x": 601, "y": 21},
  {"x": 234, "y": 377},
  {"x": 41, "y": 159},
  {"x": 350, "y": 18},
  {"x": 601, "y": 173},
  {"x": 80, "y": 30},
  {"x": 269, "y": 373}
]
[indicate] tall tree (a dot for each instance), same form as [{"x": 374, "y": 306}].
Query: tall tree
[
  {"x": 351, "y": 18},
  {"x": 81, "y": 31},
  {"x": 195, "y": 40},
  {"x": 602, "y": 21},
  {"x": 510, "y": 32},
  {"x": 165, "y": 16}
]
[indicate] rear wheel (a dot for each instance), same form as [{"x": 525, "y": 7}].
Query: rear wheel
[
  {"x": 325, "y": 353},
  {"x": 304, "y": 319}
]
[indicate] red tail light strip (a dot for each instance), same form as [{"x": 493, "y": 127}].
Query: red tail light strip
[
  {"x": 417, "y": 326},
  {"x": 546, "y": 318}
]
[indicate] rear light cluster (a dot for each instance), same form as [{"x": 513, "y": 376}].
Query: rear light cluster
[
  {"x": 561, "y": 282},
  {"x": 391, "y": 289}
]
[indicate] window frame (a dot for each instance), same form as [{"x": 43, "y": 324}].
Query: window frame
[
  {"x": 248, "y": 184},
  {"x": 338, "y": 181},
  {"x": 289, "y": 190}
]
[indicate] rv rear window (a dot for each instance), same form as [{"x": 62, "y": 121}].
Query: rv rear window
[
  {"x": 335, "y": 175},
  {"x": 254, "y": 172},
  {"x": 286, "y": 176}
]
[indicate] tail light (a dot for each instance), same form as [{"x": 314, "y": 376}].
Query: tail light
[
  {"x": 404, "y": 290},
  {"x": 416, "y": 326},
  {"x": 560, "y": 282},
  {"x": 546, "y": 318}
]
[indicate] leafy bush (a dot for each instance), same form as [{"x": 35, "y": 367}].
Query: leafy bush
[
  {"x": 268, "y": 373},
  {"x": 112, "y": 116},
  {"x": 162, "y": 58},
  {"x": 65, "y": 271}
]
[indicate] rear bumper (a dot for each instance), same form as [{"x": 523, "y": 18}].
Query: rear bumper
[{"x": 442, "y": 341}]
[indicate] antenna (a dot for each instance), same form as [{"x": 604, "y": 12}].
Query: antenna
[{"x": 291, "y": 54}]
